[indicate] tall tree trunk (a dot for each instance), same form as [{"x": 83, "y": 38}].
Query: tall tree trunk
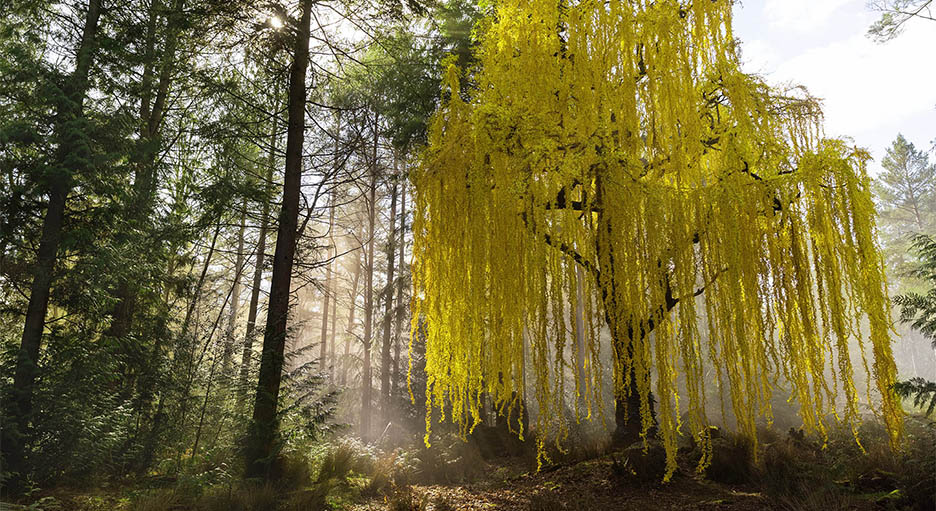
[
  {"x": 152, "y": 112},
  {"x": 367, "y": 384},
  {"x": 122, "y": 313},
  {"x": 259, "y": 260},
  {"x": 580, "y": 380},
  {"x": 400, "y": 307},
  {"x": 323, "y": 353},
  {"x": 385, "y": 349},
  {"x": 228, "y": 351},
  {"x": 261, "y": 444},
  {"x": 69, "y": 160},
  {"x": 334, "y": 321},
  {"x": 332, "y": 251},
  {"x": 627, "y": 416},
  {"x": 352, "y": 308}
]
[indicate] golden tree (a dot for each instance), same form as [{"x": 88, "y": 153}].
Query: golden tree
[{"x": 611, "y": 157}]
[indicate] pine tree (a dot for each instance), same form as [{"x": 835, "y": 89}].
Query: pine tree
[
  {"x": 72, "y": 157},
  {"x": 906, "y": 199},
  {"x": 261, "y": 445}
]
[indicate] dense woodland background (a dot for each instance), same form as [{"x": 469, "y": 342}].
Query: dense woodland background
[{"x": 154, "y": 157}]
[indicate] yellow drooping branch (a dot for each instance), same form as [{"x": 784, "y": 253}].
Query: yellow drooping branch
[{"x": 621, "y": 138}]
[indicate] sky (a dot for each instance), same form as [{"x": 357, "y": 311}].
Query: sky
[{"x": 870, "y": 91}]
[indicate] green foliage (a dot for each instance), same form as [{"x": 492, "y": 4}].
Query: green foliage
[
  {"x": 894, "y": 14},
  {"x": 304, "y": 482},
  {"x": 400, "y": 78},
  {"x": 919, "y": 310},
  {"x": 906, "y": 200},
  {"x": 336, "y": 463},
  {"x": 921, "y": 391}
]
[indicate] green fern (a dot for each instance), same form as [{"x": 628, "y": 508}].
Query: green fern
[
  {"x": 920, "y": 391},
  {"x": 919, "y": 309}
]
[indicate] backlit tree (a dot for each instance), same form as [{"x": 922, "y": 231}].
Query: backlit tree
[{"x": 618, "y": 142}]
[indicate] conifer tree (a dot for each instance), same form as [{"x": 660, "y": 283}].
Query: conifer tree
[
  {"x": 906, "y": 199},
  {"x": 71, "y": 158},
  {"x": 264, "y": 426}
]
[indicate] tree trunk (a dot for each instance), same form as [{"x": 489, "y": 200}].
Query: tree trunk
[
  {"x": 152, "y": 112},
  {"x": 385, "y": 349},
  {"x": 627, "y": 418},
  {"x": 69, "y": 158},
  {"x": 239, "y": 264},
  {"x": 257, "y": 283},
  {"x": 332, "y": 252},
  {"x": 580, "y": 380},
  {"x": 261, "y": 444},
  {"x": 367, "y": 384},
  {"x": 323, "y": 353},
  {"x": 400, "y": 308},
  {"x": 349, "y": 330},
  {"x": 334, "y": 321}
]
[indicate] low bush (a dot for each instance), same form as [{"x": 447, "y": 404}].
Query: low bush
[
  {"x": 404, "y": 498},
  {"x": 732, "y": 459},
  {"x": 450, "y": 460}
]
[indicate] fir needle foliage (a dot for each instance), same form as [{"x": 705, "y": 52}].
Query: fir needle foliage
[{"x": 621, "y": 137}]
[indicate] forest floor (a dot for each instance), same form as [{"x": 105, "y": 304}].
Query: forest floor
[
  {"x": 793, "y": 473},
  {"x": 599, "y": 484},
  {"x": 587, "y": 485}
]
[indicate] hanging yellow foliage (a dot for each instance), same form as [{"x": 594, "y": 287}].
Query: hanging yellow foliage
[{"x": 612, "y": 153}]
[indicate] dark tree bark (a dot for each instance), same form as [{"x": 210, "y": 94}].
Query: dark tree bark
[
  {"x": 366, "y": 378},
  {"x": 228, "y": 350},
  {"x": 151, "y": 114},
  {"x": 385, "y": 348},
  {"x": 257, "y": 283},
  {"x": 263, "y": 433},
  {"x": 71, "y": 156},
  {"x": 627, "y": 417},
  {"x": 323, "y": 353},
  {"x": 352, "y": 308},
  {"x": 400, "y": 307}
]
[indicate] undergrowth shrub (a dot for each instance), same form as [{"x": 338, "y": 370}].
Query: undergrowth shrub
[
  {"x": 450, "y": 460},
  {"x": 404, "y": 498},
  {"x": 335, "y": 463},
  {"x": 917, "y": 479},
  {"x": 644, "y": 465},
  {"x": 585, "y": 441},
  {"x": 732, "y": 459},
  {"x": 798, "y": 472}
]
